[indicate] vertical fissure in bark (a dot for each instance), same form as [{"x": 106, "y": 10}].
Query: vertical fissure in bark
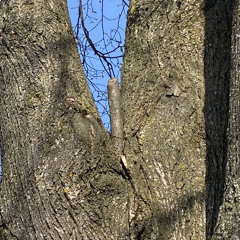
[
  {"x": 217, "y": 62},
  {"x": 228, "y": 223}
]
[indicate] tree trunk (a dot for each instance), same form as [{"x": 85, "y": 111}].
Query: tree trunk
[
  {"x": 61, "y": 178},
  {"x": 163, "y": 97},
  {"x": 218, "y": 57},
  {"x": 228, "y": 221}
]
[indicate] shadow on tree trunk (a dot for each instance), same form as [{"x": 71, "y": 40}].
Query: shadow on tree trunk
[
  {"x": 168, "y": 221},
  {"x": 218, "y": 29}
]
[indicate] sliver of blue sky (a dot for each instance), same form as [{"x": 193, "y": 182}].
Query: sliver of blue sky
[{"x": 105, "y": 21}]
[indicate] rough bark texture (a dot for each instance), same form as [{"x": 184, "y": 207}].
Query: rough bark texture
[
  {"x": 228, "y": 222},
  {"x": 61, "y": 179},
  {"x": 163, "y": 97},
  {"x": 217, "y": 62}
]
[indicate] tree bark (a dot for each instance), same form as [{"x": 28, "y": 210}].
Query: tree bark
[
  {"x": 115, "y": 115},
  {"x": 162, "y": 94},
  {"x": 61, "y": 178},
  {"x": 65, "y": 178},
  {"x": 228, "y": 223},
  {"x": 217, "y": 61}
]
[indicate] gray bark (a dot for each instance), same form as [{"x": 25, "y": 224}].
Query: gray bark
[
  {"x": 115, "y": 115},
  {"x": 61, "y": 178},
  {"x": 62, "y": 175},
  {"x": 228, "y": 223},
  {"x": 162, "y": 93}
]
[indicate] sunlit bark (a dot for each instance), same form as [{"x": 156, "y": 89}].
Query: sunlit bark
[
  {"x": 178, "y": 151},
  {"x": 60, "y": 176},
  {"x": 163, "y": 97}
]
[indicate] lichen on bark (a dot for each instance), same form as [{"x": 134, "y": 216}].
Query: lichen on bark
[
  {"x": 60, "y": 177},
  {"x": 164, "y": 133}
]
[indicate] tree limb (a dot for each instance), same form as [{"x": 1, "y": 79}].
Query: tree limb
[{"x": 115, "y": 115}]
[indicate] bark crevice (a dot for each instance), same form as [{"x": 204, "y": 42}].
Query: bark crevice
[{"x": 217, "y": 62}]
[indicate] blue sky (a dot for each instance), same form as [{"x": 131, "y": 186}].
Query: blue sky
[{"x": 111, "y": 32}]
